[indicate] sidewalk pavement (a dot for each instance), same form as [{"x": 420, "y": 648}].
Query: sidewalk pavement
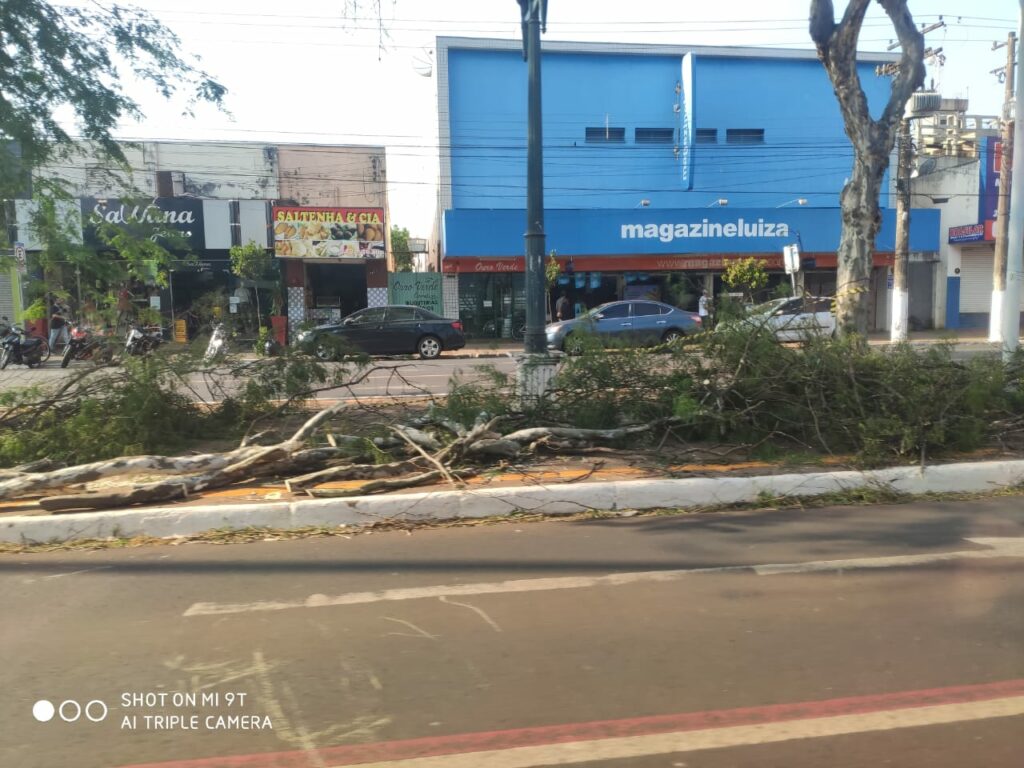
[{"x": 609, "y": 494}]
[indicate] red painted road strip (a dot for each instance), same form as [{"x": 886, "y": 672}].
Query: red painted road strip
[{"x": 356, "y": 754}]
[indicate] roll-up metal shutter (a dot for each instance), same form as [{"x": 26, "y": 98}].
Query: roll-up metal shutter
[
  {"x": 976, "y": 280},
  {"x": 6, "y": 295}
]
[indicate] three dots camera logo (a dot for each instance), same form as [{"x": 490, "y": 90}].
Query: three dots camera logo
[{"x": 70, "y": 711}]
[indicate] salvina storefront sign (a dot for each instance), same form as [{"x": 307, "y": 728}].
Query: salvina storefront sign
[{"x": 153, "y": 218}]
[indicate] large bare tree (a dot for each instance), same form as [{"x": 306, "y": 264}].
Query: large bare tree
[{"x": 872, "y": 139}]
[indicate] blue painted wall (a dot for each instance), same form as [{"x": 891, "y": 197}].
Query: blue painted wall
[
  {"x": 953, "y": 301},
  {"x": 806, "y": 154}
]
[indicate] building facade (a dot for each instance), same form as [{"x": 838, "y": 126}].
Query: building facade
[
  {"x": 322, "y": 209},
  {"x": 661, "y": 164}
]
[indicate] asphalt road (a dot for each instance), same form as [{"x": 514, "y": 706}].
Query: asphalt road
[
  {"x": 628, "y": 642},
  {"x": 396, "y": 378}
]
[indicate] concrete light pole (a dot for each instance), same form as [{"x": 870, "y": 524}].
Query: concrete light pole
[
  {"x": 534, "y": 16},
  {"x": 536, "y": 368},
  {"x": 1015, "y": 251},
  {"x": 901, "y": 252},
  {"x": 995, "y": 333}
]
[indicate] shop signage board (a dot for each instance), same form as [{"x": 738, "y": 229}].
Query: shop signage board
[
  {"x": 671, "y": 232},
  {"x": 419, "y": 289},
  {"x": 304, "y": 232},
  {"x": 968, "y": 233},
  {"x": 156, "y": 218}
]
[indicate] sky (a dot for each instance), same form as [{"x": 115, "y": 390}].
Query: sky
[{"x": 317, "y": 71}]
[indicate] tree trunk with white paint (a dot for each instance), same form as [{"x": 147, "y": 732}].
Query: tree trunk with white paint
[{"x": 872, "y": 140}]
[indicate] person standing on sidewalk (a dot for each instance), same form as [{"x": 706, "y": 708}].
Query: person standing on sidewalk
[
  {"x": 704, "y": 308},
  {"x": 58, "y": 327},
  {"x": 125, "y": 308},
  {"x": 562, "y": 308}
]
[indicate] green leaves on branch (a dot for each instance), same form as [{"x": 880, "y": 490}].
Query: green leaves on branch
[{"x": 77, "y": 58}]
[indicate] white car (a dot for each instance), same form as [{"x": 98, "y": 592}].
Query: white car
[{"x": 795, "y": 319}]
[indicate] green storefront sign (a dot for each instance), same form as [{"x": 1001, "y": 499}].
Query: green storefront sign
[{"x": 420, "y": 289}]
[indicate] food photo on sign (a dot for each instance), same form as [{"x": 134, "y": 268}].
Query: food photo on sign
[{"x": 329, "y": 233}]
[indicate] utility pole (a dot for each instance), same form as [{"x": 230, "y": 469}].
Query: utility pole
[
  {"x": 1015, "y": 249},
  {"x": 995, "y": 325},
  {"x": 534, "y": 17},
  {"x": 900, "y": 306},
  {"x": 901, "y": 252}
]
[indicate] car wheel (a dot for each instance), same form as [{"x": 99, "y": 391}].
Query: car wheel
[
  {"x": 671, "y": 335},
  {"x": 429, "y": 347},
  {"x": 324, "y": 351}
]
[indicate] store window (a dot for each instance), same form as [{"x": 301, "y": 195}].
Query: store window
[
  {"x": 605, "y": 135},
  {"x": 654, "y": 135},
  {"x": 744, "y": 136},
  {"x": 492, "y": 306}
]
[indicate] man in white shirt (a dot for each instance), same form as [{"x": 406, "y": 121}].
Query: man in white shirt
[{"x": 704, "y": 308}]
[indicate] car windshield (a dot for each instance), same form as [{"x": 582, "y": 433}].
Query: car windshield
[{"x": 767, "y": 307}]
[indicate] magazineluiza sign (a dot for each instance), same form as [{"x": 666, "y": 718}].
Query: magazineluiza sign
[
  {"x": 666, "y": 233},
  {"x": 154, "y": 219}
]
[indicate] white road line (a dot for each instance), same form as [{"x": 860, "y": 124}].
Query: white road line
[
  {"x": 629, "y": 747},
  {"x": 995, "y": 547}
]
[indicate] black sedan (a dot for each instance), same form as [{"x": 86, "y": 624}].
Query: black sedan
[{"x": 391, "y": 330}]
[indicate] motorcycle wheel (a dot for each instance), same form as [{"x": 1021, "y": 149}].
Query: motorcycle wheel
[
  {"x": 5, "y": 359},
  {"x": 66, "y": 357},
  {"x": 44, "y": 351}
]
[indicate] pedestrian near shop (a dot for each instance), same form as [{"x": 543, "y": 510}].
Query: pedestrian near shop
[
  {"x": 58, "y": 327},
  {"x": 705, "y": 308},
  {"x": 562, "y": 307},
  {"x": 125, "y": 308}
]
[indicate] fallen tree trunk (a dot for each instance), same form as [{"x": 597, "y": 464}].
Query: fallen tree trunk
[
  {"x": 533, "y": 434},
  {"x": 352, "y": 472},
  {"x": 393, "y": 484},
  {"x": 271, "y": 462},
  {"x": 34, "y": 482},
  {"x": 214, "y": 470}
]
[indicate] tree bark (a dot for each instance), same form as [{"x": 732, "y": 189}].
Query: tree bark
[{"x": 872, "y": 140}]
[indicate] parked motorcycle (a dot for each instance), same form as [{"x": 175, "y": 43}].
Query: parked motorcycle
[
  {"x": 19, "y": 349},
  {"x": 143, "y": 339},
  {"x": 86, "y": 345}
]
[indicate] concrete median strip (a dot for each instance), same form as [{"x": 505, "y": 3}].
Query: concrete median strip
[{"x": 554, "y": 499}]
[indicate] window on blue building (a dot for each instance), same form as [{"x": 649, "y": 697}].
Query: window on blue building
[
  {"x": 654, "y": 135},
  {"x": 706, "y": 136},
  {"x": 606, "y": 135},
  {"x": 744, "y": 136}
]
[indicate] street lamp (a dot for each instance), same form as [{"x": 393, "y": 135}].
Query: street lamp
[
  {"x": 719, "y": 203},
  {"x": 797, "y": 200}
]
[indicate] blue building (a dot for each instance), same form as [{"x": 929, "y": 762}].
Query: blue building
[{"x": 661, "y": 164}]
